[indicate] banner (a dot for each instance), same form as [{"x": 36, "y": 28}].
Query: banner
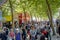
[{"x": 8, "y": 18}]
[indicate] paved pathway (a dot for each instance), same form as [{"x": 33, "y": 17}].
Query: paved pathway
[{"x": 55, "y": 38}]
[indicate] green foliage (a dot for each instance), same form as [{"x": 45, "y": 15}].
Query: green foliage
[{"x": 34, "y": 7}]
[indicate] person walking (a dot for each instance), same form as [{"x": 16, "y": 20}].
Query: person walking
[
  {"x": 48, "y": 29},
  {"x": 11, "y": 35},
  {"x": 4, "y": 37},
  {"x": 42, "y": 37},
  {"x": 0, "y": 35},
  {"x": 33, "y": 32},
  {"x": 24, "y": 33},
  {"x": 59, "y": 30},
  {"x": 4, "y": 33},
  {"x": 18, "y": 35}
]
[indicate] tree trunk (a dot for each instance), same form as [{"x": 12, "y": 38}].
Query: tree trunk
[
  {"x": 30, "y": 16},
  {"x": 11, "y": 7},
  {"x": 59, "y": 14},
  {"x": 50, "y": 16}
]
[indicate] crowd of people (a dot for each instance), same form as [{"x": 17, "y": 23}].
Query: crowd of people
[{"x": 28, "y": 31}]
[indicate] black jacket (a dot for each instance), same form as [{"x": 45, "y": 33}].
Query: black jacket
[
  {"x": 4, "y": 36},
  {"x": 0, "y": 35}
]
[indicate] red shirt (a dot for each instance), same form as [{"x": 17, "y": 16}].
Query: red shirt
[
  {"x": 44, "y": 32},
  {"x": 12, "y": 34}
]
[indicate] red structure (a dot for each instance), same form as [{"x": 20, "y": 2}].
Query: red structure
[{"x": 24, "y": 17}]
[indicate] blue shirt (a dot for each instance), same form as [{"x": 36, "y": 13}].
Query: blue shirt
[{"x": 18, "y": 36}]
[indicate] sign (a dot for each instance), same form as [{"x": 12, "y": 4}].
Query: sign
[
  {"x": 2, "y": 2},
  {"x": 8, "y": 18},
  {"x": 0, "y": 15}
]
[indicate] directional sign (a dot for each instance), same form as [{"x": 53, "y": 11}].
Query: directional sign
[
  {"x": 0, "y": 15},
  {"x": 2, "y": 2}
]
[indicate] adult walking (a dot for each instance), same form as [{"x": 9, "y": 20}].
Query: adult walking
[
  {"x": 59, "y": 30},
  {"x": 18, "y": 35},
  {"x": 33, "y": 32},
  {"x": 11, "y": 35}
]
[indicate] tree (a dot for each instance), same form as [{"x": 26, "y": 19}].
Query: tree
[
  {"x": 41, "y": 8},
  {"x": 50, "y": 16},
  {"x": 11, "y": 8}
]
